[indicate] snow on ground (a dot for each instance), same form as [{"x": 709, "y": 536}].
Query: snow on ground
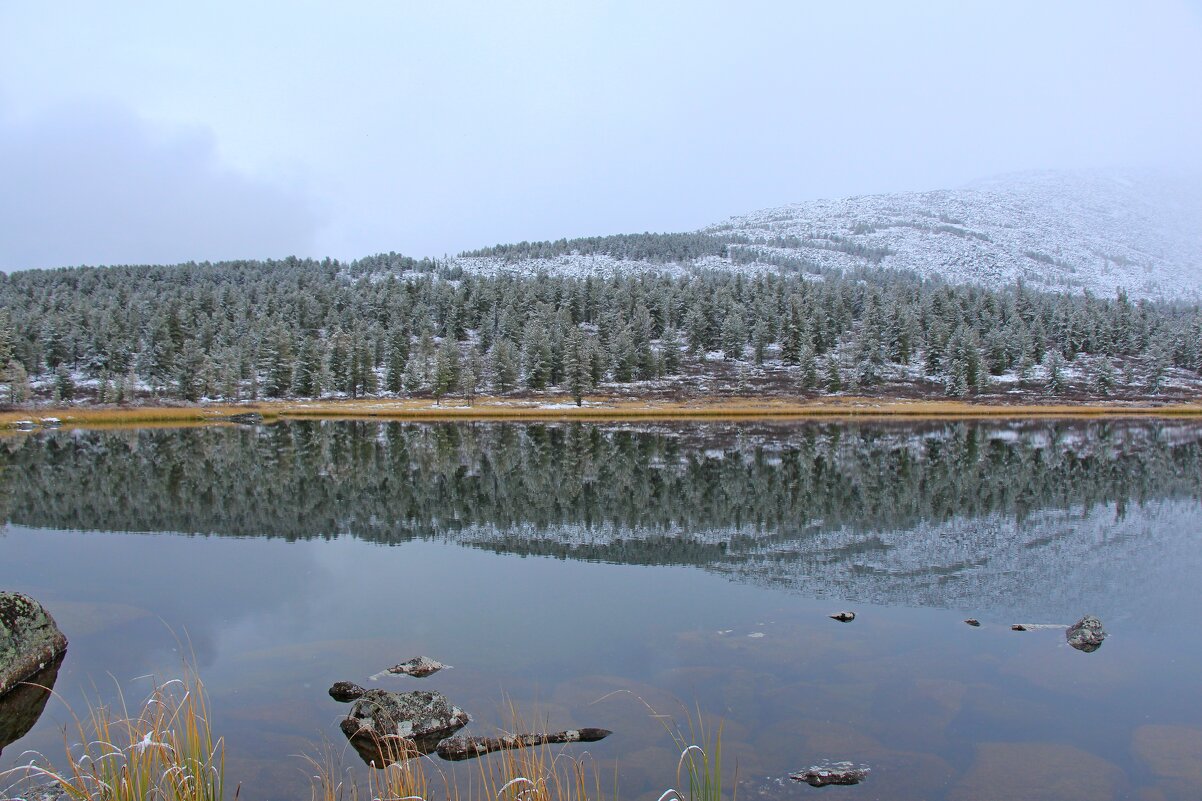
[{"x": 1100, "y": 231}]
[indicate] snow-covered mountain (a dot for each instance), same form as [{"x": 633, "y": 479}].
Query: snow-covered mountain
[{"x": 1100, "y": 231}]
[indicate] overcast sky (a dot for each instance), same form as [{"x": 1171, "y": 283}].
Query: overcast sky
[{"x": 164, "y": 132}]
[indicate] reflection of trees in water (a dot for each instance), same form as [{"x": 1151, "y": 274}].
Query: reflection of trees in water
[{"x": 630, "y": 494}]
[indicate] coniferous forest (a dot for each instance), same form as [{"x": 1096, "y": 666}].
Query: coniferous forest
[{"x": 389, "y": 325}]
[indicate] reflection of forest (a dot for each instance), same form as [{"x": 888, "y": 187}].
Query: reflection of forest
[{"x": 746, "y": 499}]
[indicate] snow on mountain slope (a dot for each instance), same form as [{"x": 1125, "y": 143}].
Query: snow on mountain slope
[{"x": 1100, "y": 231}]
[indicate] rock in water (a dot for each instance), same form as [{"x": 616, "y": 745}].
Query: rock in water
[
  {"x": 831, "y": 773},
  {"x": 843, "y": 617},
  {"x": 23, "y": 705},
  {"x": 972, "y": 621},
  {"x": 418, "y": 667},
  {"x": 346, "y": 691},
  {"x": 385, "y": 726},
  {"x": 459, "y": 748},
  {"x": 1018, "y": 627},
  {"x": 1086, "y": 634},
  {"x": 30, "y": 640}
]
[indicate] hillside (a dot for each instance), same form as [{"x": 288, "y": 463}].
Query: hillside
[{"x": 1059, "y": 231}]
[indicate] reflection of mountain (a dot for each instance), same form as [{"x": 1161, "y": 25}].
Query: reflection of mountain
[{"x": 944, "y": 514}]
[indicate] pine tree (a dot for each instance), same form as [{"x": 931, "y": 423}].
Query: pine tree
[
  {"x": 734, "y": 334},
  {"x": 1055, "y": 382},
  {"x": 669, "y": 346},
  {"x": 1104, "y": 377},
  {"x": 505, "y": 365},
  {"x": 574, "y": 367},
  {"x": 834, "y": 376},
  {"x": 446, "y": 370},
  {"x": 398, "y": 357}
]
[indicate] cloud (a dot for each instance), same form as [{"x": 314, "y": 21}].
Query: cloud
[{"x": 93, "y": 183}]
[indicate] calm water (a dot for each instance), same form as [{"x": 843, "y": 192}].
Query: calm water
[{"x": 695, "y": 565}]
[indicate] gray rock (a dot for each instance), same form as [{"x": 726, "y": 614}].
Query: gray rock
[
  {"x": 418, "y": 667},
  {"x": 30, "y": 640},
  {"x": 1086, "y": 634},
  {"x": 385, "y": 726},
  {"x": 831, "y": 773}
]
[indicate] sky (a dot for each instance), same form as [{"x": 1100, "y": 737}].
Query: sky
[{"x": 149, "y": 132}]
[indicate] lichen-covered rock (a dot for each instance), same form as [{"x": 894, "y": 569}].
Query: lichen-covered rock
[
  {"x": 831, "y": 773},
  {"x": 30, "y": 640},
  {"x": 1086, "y": 634},
  {"x": 385, "y": 726},
  {"x": 418, "y": 667}
]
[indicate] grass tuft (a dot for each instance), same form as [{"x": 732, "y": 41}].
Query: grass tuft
[{"x": 164, "y": 750}]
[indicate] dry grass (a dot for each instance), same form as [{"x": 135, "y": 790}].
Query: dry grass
[
  {"x": 596, "y": 409},
  {"x": 165, "y": 750}
]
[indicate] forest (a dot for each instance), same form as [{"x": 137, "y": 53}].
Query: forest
[{"x": 389, "y": 325}]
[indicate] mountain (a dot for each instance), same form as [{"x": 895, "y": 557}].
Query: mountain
[{"x": 1098, "y": 231}]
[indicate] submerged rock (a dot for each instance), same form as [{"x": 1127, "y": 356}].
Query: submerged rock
[
  {"x": 972, "y": 621},
  {"x": 459, "y": 748},
  {"x": 1018, "y": 627},
  {"x": 843, "y": 617},
  {"x": 21, "y": 707},
  {"x": 30, "y": 640},
  {"x": 385, "y": 726},
  {"x": 418, "y": 667},
  {"x": 1086, "y": 634},
  {"x": 346, "y": 691},
  {"x": 831, "y": 773}
]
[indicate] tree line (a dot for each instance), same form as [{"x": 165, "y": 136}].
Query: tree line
[{"x": 392, "y": 325}]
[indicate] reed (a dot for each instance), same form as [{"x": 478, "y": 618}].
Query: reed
[{"x": 164, "y": 749}]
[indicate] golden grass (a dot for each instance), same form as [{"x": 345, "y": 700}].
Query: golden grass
[
  {"x": 596, "y": 409},
  {"x": 164, "y": 751}
]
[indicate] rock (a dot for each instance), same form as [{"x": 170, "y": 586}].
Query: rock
[
  {"x": 843, "y": 617},
  {"x": 460, "y": 748},
  {"x": 21, "y": 707},
  {"x": 23, "y": 425},
  {"x": 346, "y": 691},
  {"x": 51, "y": 422},
  {"x": 418, "y": 667},
  {"x": 385, "y": 726},
  {"x": 244, "y": 418},
  {"x": 831, "y": 773},
  {"x": 972, "y": 621},
  {"x": 30, "y": 640},
  {"x": 1086, "y": 634},
  {"x": 1018, "y": 627}
]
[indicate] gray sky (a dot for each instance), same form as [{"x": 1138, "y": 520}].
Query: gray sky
[{"x": 165, "y": 132}]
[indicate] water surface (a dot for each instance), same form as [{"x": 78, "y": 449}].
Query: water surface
[{"x": 586, "y": 572}]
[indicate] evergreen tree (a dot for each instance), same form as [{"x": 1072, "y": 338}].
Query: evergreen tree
[
  {"x": 505, "y": 365},
  {"x": 669, "y": 346},
  {"x": 734, "y": 334},
  {"x": 446, "y": 370}
]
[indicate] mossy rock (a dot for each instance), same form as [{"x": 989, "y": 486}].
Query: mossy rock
[{"x": 30, "y": 640}]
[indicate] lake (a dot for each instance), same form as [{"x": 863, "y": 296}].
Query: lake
[{"x": 588, "y": 573}]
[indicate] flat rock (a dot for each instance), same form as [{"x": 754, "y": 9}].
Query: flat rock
[
  {"x": 385, "y": 726},
  {"x": 30, "y": 640},
  {"x": 418, "y": 667},
  {"x": 831, "y": 773}
]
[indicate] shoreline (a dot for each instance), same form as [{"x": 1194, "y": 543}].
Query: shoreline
[{"x": 594, "y": 409}]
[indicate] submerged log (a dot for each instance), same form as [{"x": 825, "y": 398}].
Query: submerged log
[{"x": 459, "y": 748}]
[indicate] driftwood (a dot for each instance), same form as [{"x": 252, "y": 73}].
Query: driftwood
[{"x": 459, "y": 748}]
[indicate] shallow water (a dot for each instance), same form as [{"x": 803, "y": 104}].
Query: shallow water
[{"x": 585, "y": 573}]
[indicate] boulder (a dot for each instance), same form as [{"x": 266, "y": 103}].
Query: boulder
[
  {"x": 418, "y": 667},
  {"x": 1086, "y": 634},
  {"x": 386, "y": 726},
  {"x": 21, "y": 707},
  {"x": 30, "y": 640}
]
